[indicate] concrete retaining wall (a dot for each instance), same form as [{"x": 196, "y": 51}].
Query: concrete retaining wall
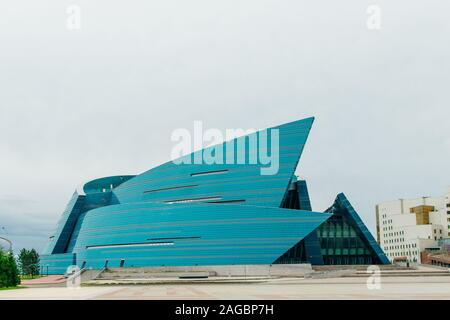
[{"x": 278, "y": 270}]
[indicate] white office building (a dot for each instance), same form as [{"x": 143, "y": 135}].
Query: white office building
[{"x": 406, "y": 227}]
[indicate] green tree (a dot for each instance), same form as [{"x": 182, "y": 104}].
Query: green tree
[
  {"x": 29, "y": 262},
  {"x": 35, "y": 262},
  {"x": 9, "y": 273}
]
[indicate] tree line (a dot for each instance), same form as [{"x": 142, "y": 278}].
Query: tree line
[{"x": 25, "y": 264}]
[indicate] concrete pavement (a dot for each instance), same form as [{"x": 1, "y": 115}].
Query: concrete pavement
[{"x": 434, "y": 288}]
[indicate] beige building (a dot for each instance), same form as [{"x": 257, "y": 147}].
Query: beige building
[{"x": 406, "y": 227}]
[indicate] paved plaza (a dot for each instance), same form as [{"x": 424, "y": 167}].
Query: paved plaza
[{"x": 428, "y": 287}]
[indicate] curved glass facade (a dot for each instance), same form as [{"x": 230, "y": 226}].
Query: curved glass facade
[{"x": 196, "y": 213}]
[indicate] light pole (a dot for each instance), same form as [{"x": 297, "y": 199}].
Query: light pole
[{"x": 10, "y": 243}]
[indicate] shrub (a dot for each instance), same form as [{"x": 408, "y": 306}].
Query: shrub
[
  {"x": 9, "y": 273},
  {"x": 29, "y": 262}
]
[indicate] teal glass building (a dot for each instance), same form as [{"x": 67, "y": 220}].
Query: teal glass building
[{"x": 224, "y": 213}]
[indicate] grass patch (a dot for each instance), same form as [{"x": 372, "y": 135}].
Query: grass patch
[{"x": 12, "y": 288}]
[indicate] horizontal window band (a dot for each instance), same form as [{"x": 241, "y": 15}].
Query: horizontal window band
[
  {"x": 198, "y": 249},
  {"x": 207, "y": 189},
  {"x": 192, "y": 200},
  {"x": 238, "y": 240},
  {"x": 171, "y": 188},
  {"x": 205, "y": 173},
  {"x": 121, "y": 245},
  {"x": 217, "y": 244},
  {"x": 175, "y": 238},
  {"x": 206, "y": 222},
  {"x": 177, "y": 257},
  {"x": 228, "y": 201},
  {"x": 253, "y": 172}
]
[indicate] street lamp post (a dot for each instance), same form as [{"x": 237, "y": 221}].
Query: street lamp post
[{"x": 9, "y": 241}]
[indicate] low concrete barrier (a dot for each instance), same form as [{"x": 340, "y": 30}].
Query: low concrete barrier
[{"x": 275, "y": 270}]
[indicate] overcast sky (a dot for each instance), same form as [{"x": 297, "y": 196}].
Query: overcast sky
[{"x": 103, "y": 100}]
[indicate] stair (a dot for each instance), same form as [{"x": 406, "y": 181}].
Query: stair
[
  {"x": 346, "y": 271},
  {"x": 151, "y": 273},
  {"x": 405, "y": 273}
]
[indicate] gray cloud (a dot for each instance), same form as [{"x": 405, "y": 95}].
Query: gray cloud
[{"x": 75, "y": 105}]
